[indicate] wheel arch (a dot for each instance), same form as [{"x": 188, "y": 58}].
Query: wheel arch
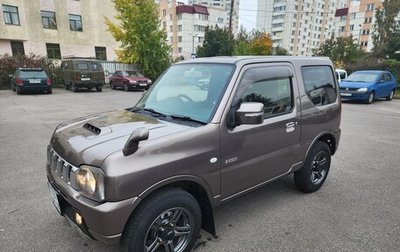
[
  {"x": 193, "y": 185},
  {"x": 326, "y": 137}
]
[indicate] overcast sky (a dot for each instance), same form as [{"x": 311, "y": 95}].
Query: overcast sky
[{"x": 248, "y": 13}]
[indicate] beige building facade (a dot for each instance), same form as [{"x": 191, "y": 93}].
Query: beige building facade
[{"x": 56, "y": 28}]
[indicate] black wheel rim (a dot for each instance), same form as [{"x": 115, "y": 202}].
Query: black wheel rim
[
  {"x": 319, "y": 168},
  {"x": 171, "y": 231}
]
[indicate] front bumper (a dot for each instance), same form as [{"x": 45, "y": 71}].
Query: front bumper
[
  {"x": 360, "y": 96},
  {"x": 100, "y": 221}
]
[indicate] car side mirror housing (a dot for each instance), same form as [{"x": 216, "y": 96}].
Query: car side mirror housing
[{"x": 250, "y": 113}]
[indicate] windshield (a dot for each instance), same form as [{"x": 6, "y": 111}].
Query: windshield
[
  {"x": 363, "y": 77},
  {"x": 131, "y": 74},
  {"x": 33, "y": 74},
  {"x": 188, "y": 90}
]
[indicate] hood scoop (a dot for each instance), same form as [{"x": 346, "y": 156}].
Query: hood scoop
[{"x": 92, "y": 128}]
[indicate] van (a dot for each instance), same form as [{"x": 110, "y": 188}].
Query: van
[
  {"x": 149, "y": 176},
  {"x": 82, "y": 73},
  {"x": 341, "y": 74}
]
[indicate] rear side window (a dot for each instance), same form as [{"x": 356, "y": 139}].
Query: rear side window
[
  {"x": 388, "y": 77},
  {"x": 319, "y": 84}
]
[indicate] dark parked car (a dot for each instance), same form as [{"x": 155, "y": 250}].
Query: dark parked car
[
  {"x": 30, "y": 79},
  {"x": 129, "y": 80},
  {"x": 80, "y": 72},
  {"x": 150, "y": 175},
  {"x": 368, "y": 85}
]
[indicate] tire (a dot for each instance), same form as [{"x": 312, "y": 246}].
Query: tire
[
  {"x": 370, "y": 98},
  {"x": 99, "y": 89},
  {"x": 152, "y": 225},
  {"x": 50, "y": 90},
  {"x": 67, "y": 87},
  {"x": 74, "y": 88},
  {"x": 112, "y": 85},
  {"x": 126, "y": 88},
  {"x": 19, "y": 91},
  {"x": 315, "y": 170},
  {"x": 390, "y": 96}
]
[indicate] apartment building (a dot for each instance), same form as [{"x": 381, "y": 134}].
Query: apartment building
[
  {"x": 298, "y": 25},
  {"x": 357, "y": 19},
  {"x": 226, "y": 5},
  {"x": 186, "y": 25},
  {"x": 55, "y": 28}
]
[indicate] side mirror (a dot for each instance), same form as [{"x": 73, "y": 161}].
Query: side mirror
[
  {"x": 250, "y": 113},
  {"x": 132, "y": 145}
]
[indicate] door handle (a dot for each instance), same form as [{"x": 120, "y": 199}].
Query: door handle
[{"x": 291, "y": 126}]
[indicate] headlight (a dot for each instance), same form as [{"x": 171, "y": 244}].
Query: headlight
[
  {"x": 132, "y": 81},
  {"x": 89, "y": 181},
  {"x": 364, "y": 89}
]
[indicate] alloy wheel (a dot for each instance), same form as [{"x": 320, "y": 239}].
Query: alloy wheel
[{"x": 319, "y": 168}]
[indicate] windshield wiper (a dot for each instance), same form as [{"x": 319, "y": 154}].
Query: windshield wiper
[
  {"x": 152, "y": 111},
  {"x": 187, "y": 118}
]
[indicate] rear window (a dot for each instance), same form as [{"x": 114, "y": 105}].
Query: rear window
[
  {"x": 82, "y": 66},
  {"x": 33, "y": 74}
]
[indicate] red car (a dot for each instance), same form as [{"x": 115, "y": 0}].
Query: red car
[{"x": 129, "y": 80}]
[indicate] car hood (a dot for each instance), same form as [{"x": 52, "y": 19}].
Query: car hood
[
  {"x": 90, "y": 140},
  {"x": 346, "y": 84}
]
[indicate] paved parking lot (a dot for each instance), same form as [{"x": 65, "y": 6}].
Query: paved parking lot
[{"x": 358, "y": 208}]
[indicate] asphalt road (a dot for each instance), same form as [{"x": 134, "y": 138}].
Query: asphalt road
[{"x": 358, "y": 208}]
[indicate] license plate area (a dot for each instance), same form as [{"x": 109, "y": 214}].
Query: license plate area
[
  {"x": 54, "y": 197},
  {"x": 345, "y": 94},
  {"x": 35, "y": 81},
  {"x": 85, "y": 79},
  {"x": 143, "y": 84}
]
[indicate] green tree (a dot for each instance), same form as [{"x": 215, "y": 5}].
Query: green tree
[
  {"x": 279, "y": 51},
  {"x": 342, "y": 50},
  {"x": 217, "y": 42},
  {"x": 386, "y": 30},
  {"x": 142, "y": 41}
]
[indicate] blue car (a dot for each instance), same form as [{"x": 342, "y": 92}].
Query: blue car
[{"x": 368, "y": 85}]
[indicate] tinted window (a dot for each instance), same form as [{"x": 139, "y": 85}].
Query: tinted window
[
  {"x": 319, "y": 84},
  {"x": 388, "y": 77},
  {"x": 33, "y": 74},
  {"x": 275, "y": 93},
  {"x": 82, "y": 66}
]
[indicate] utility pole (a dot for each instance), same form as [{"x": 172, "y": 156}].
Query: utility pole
[{"x": 230, "y": 16}]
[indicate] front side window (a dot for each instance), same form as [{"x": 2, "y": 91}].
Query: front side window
[
  {"x": 271, "y": 86},
  {"x": 319, "y": 84},
  {"x": 189, "y": 90},
  {"x": 75, "y": 22},
  {"x": 49, "y": 19},
  {"x": 11, "y": 16},
  {"x": 53, "y": 51}
]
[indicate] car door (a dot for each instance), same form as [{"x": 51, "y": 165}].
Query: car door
[
  {"x": 381, "y": 86},
  {"x": 254, "y": 154},
  {"x": 390, "y": 84}
]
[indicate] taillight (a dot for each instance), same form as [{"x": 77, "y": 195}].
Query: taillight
[
  {"x": 19, "y": 82},
  {"x": 77, "y": 77},
  {"x": 48, "y": 82}
]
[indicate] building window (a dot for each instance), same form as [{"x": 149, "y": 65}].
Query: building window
[
  {"x": 101, "y": 53},
  {"x": 179, "y": 49},
  {"x": 368, "y": 20},
  {"x": 75, "y": 22},
  {"x": 10, "y": 14},
  {"x": 17, "y": 48},
  {"x": 49, "y": 19},
  {"x": 370, "y": 7},
  {"x": 53, "y": 51},
  {"x": 179, "y": 16},
  {"x": 164, "y": 12},
  {"x": 353, "y": 15},
  {"x": 220, "y": 20},
  {"x": 351, "y": 27},
  {"x": 180, "y": 39},
  {"x": 179, "y": 27}
]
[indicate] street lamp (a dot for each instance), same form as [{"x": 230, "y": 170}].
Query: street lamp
[{"x": 193, "y": 36}]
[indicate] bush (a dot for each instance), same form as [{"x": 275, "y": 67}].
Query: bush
[{"x": 8, "y": 65}]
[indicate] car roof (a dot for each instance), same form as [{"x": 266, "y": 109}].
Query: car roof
[
  {"x": 372, "y": 71},
  {"x": 259, "y": 59},
  {"x": 32, "y": 69}
]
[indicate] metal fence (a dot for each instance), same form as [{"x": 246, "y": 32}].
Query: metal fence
[{"x": 111, "y": 66}]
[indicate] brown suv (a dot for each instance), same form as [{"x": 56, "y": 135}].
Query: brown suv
[{"x": 149, "y": 176}]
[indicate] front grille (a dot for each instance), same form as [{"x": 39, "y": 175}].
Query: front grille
[
  {"x": 59, "y": 167},
  {"x": 142, "y": 81},
  {"x": 348, "y": 89}
]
